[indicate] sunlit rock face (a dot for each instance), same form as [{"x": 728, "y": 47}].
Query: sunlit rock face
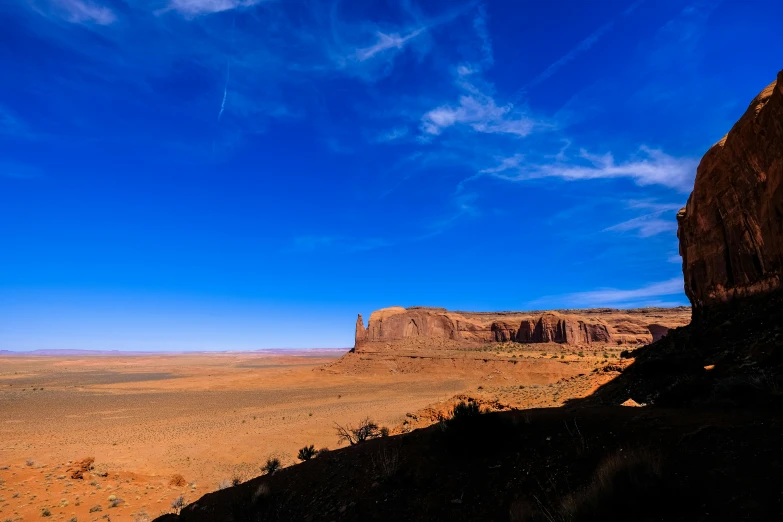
[
  {"x": 433, "y": 327},
  {"x": 731, "y": 230}
]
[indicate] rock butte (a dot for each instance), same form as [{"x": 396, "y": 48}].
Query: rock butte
[
  {"x": 731, "y": 230},
  {"x": 398, "y": 327}
]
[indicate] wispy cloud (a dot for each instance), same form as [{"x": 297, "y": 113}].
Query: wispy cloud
[
  {"x": 650, "y": 167},
  {"x": 392, "y": 135},
  {"x": 650, "y": 224},
  {"x": 480, "y": 26},
  {"x": 76, "y": 11},
  {"x": 477, "y": 110},
  {"x": 645, "y": 226},
  {"x": 646, "y": 295},
  {"x": 191, "y": 8},
  {"x": 464, "y": 207},
  {"x": 386, "y": 42}
]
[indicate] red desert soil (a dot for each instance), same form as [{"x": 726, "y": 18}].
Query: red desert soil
[{"x": 214, "y": 417}]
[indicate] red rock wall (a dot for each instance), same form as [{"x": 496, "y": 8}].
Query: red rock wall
[
  {"x": 438, "y": 325},
  {"x": 731, "y": 230}
]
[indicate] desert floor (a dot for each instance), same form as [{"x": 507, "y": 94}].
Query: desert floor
[{"x": 211, "y": 418}]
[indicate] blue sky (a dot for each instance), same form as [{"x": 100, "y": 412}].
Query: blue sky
[{"x": 242, "y": 174}]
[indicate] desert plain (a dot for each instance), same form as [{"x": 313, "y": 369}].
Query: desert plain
[{"x": 170, "y": 425}]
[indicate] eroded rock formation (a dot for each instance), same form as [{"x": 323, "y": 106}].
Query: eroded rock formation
[
  {"x": 439, "y": 327},
  {"x": 731, "y": 231}
]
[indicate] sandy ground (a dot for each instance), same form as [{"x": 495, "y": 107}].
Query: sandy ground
[{"x": 207, "y": 417}]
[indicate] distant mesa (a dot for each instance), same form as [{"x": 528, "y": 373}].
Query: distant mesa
[{"x": 415, "y": 326}]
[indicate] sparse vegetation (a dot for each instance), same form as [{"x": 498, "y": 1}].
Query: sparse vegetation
[
  {"x": 116, "y": 502},
  {"x": 177, "y": 504},
  {"x": 225, "y": 484},
  {"x": 366, "y": 430},
  {"x": 272, "y": 465},
  {"x": 306, "y": 453},
  {"x": 465, "y": 409},
  {"x": 624, "y": 484},
  {"x": 45, "y": 512},
  {"x": 95, "y": 509},
  {"x": 386, "y": 462}
]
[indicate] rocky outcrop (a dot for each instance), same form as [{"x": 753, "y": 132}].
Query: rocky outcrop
[
  {"x": 439, "y": 327},
  {"x": 731, "y": 230}
]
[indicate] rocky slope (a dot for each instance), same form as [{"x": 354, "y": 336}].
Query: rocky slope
[
  {"x": 398, "y": 327},
  {"x": 731, "y": 231}
]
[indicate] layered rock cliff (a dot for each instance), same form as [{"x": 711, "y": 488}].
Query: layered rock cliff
[
  {"x": 731, "y": 230},
  {"x": 440, "y": 327},
  {"x": 731, "y": 242}
]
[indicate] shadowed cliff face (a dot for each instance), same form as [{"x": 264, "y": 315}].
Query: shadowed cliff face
[
  {"x": 573, "y": 327},
  {"x": 731, "y": 231}
]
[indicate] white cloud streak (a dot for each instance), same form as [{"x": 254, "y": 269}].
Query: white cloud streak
[
  {"x": 386, "y": 42},
  {"x": 612, "y": 297},
  {"x": 645, "y": 226},
  {"x": 652, "y": 167},
  {"x": 193, "y": 8},
  {"x": 480, "y": 26},
  {"x": 83, "y": 12},
  {"x": 478, "y": 111}
]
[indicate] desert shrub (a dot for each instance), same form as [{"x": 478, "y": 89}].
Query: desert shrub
[
  {"x": 30, "y": 462},
  {"x": 306, "y": 453},
  {"x": 386, "y": 462},
  {"x": 95, "y": 509},
  {"x": 177, "y": 504},
  {"x": 625, "y": 485},
  {"x": 384, "y": 431},
  {"x": 272, "y": 465},
  {"x": 225, "y": 484},
  {"x": 45, "y": 512},
  {"x": 580, "y": 354},
  {"x": 236, "y": 480},
  {"x": 142, "y": 516},
  {"x": 465, "y": 409},
  {"x": 322, "y": 451},
  {"x": 73, "y": 519},
  {"x": 366, "y": 430},
  {"x": 116, "y": 502}
]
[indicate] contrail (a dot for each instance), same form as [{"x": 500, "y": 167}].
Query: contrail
[
  {"x": 225, "y": 89},
  {"x": 581, "y": 47},
  {"x": 228, "y": 69}
]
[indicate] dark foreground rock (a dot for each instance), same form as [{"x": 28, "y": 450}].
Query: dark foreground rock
[{"x": 539, "y": 465}]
